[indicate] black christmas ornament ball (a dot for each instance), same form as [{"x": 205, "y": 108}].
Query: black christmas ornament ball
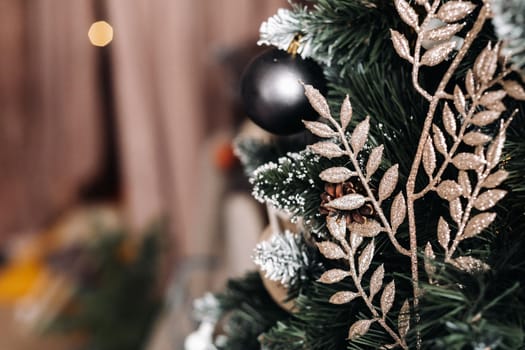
[{"x": 272, "y": 94}]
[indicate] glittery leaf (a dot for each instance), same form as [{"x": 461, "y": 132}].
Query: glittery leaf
[
  {"x": 492, "y": 97},
  {"x": 476, "y": 138},
  {"x": 470, "y": 83},
  {"x": 453, "y": 11},
  {"x": 337, "y": 227},
  {"x": 348, "y": 202},
  {"x": 360, "y": 135},
  {"x": 459, "y": 99},
  {"x": 449, "y": 190},
  {"x": 430, "y": 269},
  {"x": 464, "y": 182},
  {"x": 497, "y": 106},
  {"x": 331, "y": 250},
  {"x": 355, "y": 240},
  {"x": 398, "y": 211},
  {"x": 495, "y": 149},
  {"x": 388, "y": 182},
  {"x": 401, "y": 45},
  {"x": 438, "y": 53},
  {"x": 470, "y": 264},
  {"x": 456, "y": 210},
  {"x": 376, "y": 281},
  {"x": 365, "y": 259},
  {"x": 370, "y": 228},
  {"x": 319, "y": 129},
  {"x": 317, "y": 101},
  {"x": 467, "y": 161},
  {"x": 439, "y": 140},
  {"x": 494, "y": 180},
  {"x": 407, "y": 13},
  {"x": 443, "y": 33},
  {"x": 514, "y": 89},
  {"x": 387, "y": 298},
  {"x": 477, "y": 224},
  {"x": 374, "y": 160},
  {"x": 359, "y": 328},
  {"x": 485, "y": 118},
  {"x": 488, "y": 199},
  {"x": 346, "y": 113},
  {"x": 443, "y": 233},
  {"x": 327, "y": 149},
  {"x": 343, "y": 297},
  {"x": 486, "y": 64},
  {"x": 333, "y": 276},
  {"x": 403, "y": 320},
  {"x": 449, "y": 121},
  {"x": 336, "y": 175},
  {"x": 429, "y": 157}
]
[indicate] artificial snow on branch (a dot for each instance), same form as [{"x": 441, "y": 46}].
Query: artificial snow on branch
[
  {"x": 509, "y": 23},
  {"x": 281, "y": 257}
]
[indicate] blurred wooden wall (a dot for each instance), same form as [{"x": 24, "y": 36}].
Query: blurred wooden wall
[{"x": 167, "y": 88}]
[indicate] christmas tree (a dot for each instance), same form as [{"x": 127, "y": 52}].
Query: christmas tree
[{"x": 407, "y": 206}]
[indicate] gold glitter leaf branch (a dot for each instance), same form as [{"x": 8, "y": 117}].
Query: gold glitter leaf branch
[
  {"x": 351, "y": 149},
  {"x": 463, "y": 115},
  {"x": 354, "y": 250}
]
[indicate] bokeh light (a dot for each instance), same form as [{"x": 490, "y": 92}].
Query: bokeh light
[{"x": 100, "y": 33}]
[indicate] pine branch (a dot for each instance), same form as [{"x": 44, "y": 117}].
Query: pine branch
[
  {"x": 284, "y": 258},
  {"x": 325, "y": 31},
  {"x": 292, "y": 185}
]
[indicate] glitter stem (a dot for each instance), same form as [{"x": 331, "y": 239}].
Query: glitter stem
[
  {"x": 366, "y": 299},
  {"x": 411, "y": 182},
  {"x": 482, "y": 175},
  {"x": 473, "y": 109}
]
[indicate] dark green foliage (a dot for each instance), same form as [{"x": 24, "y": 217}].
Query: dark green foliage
[
  {"x": 254, "y": 153},
  {"x": 347, "y": 32},
  {"x": 387, "y": 96},
  {"x": 116, "y": 303},
  {"x": 248, "y": 311},
  {"x": 317, "y": 325},
  {"x": 475, "y": 312}
]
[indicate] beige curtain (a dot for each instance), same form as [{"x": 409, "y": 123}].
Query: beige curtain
[{"x": 50, "y": 145}]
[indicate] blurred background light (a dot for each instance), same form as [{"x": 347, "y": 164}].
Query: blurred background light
[{"x": 100, "y": 33}]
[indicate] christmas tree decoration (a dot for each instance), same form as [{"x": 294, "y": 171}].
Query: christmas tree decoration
[
  {"x": 272, "y": 94},
  {"x": 281, "y": 29},
  {"x": 412, "y": 194},
  {"x": 281, "y": 257}
]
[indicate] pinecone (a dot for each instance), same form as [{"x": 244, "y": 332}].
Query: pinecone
[{"x": 333, "y": 191}]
